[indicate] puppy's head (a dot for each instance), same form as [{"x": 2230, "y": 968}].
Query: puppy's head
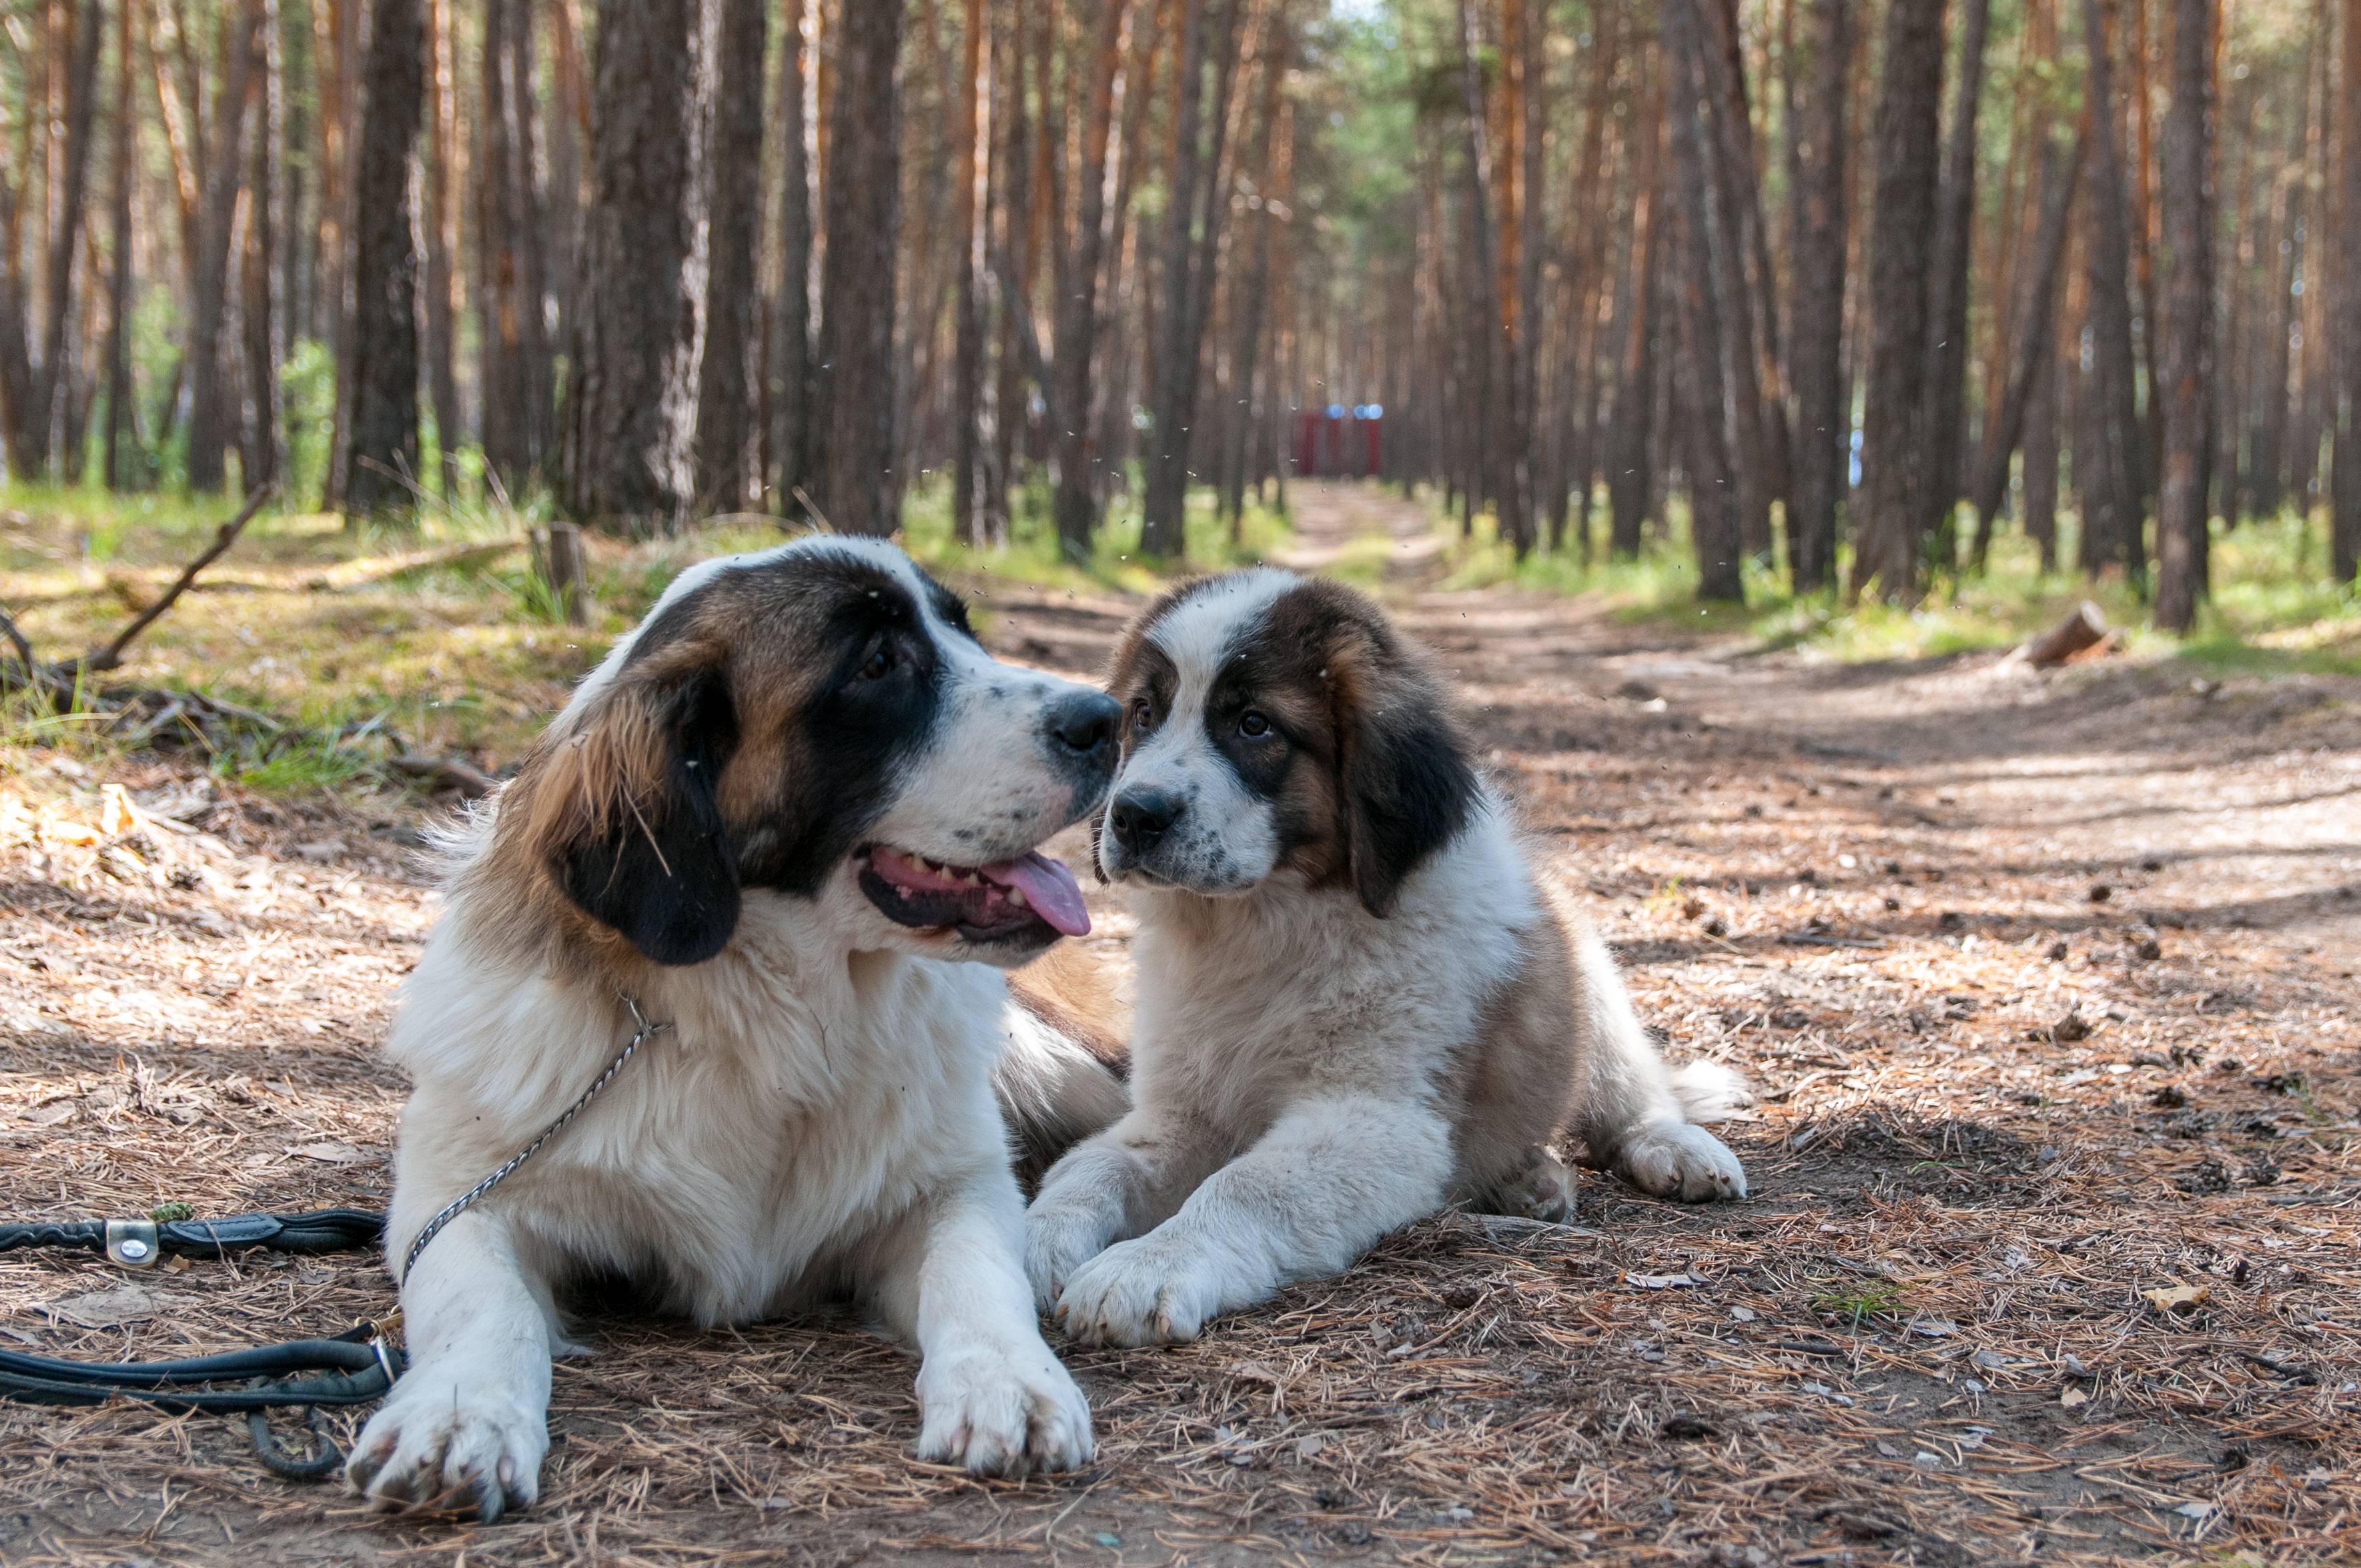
[
  {"x": 1276, "y": 727},
  {"x": 814, "y": 722}
]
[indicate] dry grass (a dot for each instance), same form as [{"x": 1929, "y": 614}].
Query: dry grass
[{"x": 1924, "y": 1339}]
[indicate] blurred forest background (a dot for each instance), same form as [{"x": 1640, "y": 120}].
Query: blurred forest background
[{"x": 1838, "y": 298}]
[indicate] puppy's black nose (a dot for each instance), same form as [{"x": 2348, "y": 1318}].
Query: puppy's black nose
[
  {"x": 1140, "y": 816},
  {"x": 1083, "y": 721}
]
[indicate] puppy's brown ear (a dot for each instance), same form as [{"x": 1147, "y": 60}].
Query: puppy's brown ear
[
  {"x": 1406, "y": 788},
  {"x": 623, "y": 815}
]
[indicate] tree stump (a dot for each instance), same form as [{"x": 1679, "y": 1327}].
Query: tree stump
[{"x": 567, "y": 575}]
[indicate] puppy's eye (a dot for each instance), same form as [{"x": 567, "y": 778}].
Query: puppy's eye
[
  {"x": 1143, "y": 716},
  {"x": 879, "y": 664},
  {"x": 1253, "y": 725}
]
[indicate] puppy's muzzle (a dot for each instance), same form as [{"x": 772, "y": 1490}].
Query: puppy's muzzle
[{"x": 1139, "y": 819}]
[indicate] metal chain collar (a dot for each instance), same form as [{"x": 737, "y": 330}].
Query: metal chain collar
[{"x": 470, "y": 1198}]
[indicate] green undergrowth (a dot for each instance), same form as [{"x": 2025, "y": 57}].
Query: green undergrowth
[
  {"x": 2271, "y": 611},
  {"x": 350, "y": 647}
]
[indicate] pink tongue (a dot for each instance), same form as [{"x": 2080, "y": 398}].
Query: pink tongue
[{"x": 1048, "y": 888}]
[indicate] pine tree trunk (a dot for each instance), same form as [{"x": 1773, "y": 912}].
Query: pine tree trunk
[
  {"x": 728, "y": 371},
  {"x": 377, "y": 457},
  {"x": 967, "y": 297},
  {"x": 1078, "y": 312},
  {"x": 860, "y": 491},
  {"x": 1943, "y": 422},
  {"x": 1816, "y": 324},
  {"x": 441, "y": 230},
  {"x": 209, "y": 393},
  {"x": 1702, "y": 365},
  {"x": 790, "y": 368},
  {"x": 2345, "y": 283},
  {"x": 1888, "y": 514},
  {"x": 263, "y": 441},
  {"x": 630, "y": 403},
  {"x": 122, "y": 462},
  {"x": 1630, "y": 430},
  {"x": 2037, "y": 320},
  {"x": 2108, "y": 477},
  {"x": 2185, "y": 356}
]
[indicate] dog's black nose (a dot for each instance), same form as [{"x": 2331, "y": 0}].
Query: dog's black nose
[
  {"x": 1140, "y": 816},
  {"x": 1083, "y": 721}
]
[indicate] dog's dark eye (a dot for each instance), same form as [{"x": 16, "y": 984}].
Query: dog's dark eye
[
  {"x": 1253, "y": 725},
  {"x": 1143, "y": 716},
  {"x": 879, "y": 664}
]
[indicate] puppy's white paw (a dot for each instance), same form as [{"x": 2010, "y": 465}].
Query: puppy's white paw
[
  {"x": 442, "y": 1445},
  {"x": 1543, "y": 1190},
  {"x": 1057, "y": 1241},
  {"x": 1136, "y": 1293},
  {"x": 1673, "y": 1159},
  {"x": 1002, "y": 1413}
]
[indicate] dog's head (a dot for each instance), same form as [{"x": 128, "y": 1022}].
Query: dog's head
[
  {"x": 1276, "y": 727},
  {"x": 816, "y": 721}
]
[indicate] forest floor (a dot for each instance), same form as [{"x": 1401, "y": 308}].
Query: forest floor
[{"x": 2047, "y": 981}]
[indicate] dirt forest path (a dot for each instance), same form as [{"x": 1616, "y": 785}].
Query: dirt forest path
[{"x": 2047, "y": 983}]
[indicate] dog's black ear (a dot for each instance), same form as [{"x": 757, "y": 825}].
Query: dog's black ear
[
  {"x": 626, "y": 822},
  {"x": 1406, "y": 787}
]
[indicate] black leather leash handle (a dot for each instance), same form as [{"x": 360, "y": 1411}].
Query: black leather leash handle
[{"x": 327, "y": 1229}]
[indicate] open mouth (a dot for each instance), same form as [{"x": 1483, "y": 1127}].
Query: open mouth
[{"x": 1031, "y": 896}]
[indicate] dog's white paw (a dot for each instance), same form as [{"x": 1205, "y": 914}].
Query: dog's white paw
[
  {"x": 1136, "y": 1293},
  {"x": 439, "y": 1445},
  {"x": 1673, "y": 1159},
  {"x": 1057, "y": 1241},
  {"x": 1002, "y": 1413}
]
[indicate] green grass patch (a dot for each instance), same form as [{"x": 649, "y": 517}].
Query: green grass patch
[
  {"x": 2271, "y": 612},
  {"x": 1032, "y": 558}
]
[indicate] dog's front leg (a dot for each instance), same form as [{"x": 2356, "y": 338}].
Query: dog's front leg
[
  {"x": 1330, "y": 1177},
  {"x": 991, "y": 1396},
  {"x": 465, "y": 1428}
]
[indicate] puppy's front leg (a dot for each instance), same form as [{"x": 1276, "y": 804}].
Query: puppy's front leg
[
  {"x": 991, "y": 1394},
  {"x": 1117, "y": 1184},
  {"x": 465, "y": 1428},
  {"x": 1330, "y": 1177}
]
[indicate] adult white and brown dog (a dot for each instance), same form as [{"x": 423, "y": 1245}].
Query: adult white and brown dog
[
  {"x": 1355, "y": 1001},
  {"x": 795, "y": 817}
]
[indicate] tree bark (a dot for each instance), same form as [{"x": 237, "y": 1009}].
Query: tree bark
[
  {"x": 728, "y": 370},
  {"x": 1272, "y": 159},
  {"x": 2185, "y": 357},
  {"x": 860, "y": 493},
  {"x": 1888, "y": 514},
  {"x": 1816, "y": 324},
  {"x": 263, "y": 443},
  {"x": 1630, "y": 430},
  {"x": 630, "y": 405}
]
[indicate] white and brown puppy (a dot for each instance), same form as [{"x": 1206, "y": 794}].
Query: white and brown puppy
[
  {"x": 1355, "y": 1002},
  {"x": 794, "y": 815}
]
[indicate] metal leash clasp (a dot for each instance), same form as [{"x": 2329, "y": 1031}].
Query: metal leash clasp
[{"x": 133, "y": 1244}]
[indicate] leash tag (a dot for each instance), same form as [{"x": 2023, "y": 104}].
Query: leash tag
[{"x": 131, "y": 1243}]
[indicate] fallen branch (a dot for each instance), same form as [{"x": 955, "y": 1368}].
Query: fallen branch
[
  {"x": 446, "y": 772},
  {"x": 358, "y": 574},
  {"x": 2085, "y": 627},
  {"x": 111, "y": 656}
]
